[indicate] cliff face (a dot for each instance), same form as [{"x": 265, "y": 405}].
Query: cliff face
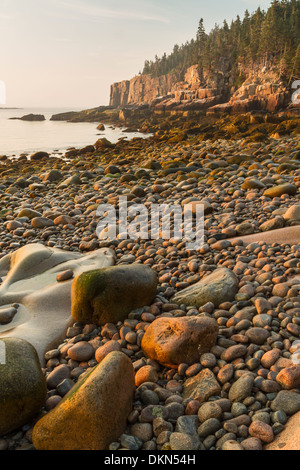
[
  {"x": 140, "y": 89},
  {"x": 214, "y": 91},
  {"x": 119, "y": 94}
]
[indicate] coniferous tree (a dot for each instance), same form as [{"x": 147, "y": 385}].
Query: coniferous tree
[{"x": 260, "y": 39}]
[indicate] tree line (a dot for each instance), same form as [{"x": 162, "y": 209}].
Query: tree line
[{"x": 263, "y": 38}]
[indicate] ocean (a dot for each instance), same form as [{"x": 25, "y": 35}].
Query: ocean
[{"x": 18, "y": 137}]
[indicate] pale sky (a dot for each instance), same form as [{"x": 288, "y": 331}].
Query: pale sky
[{"x": 67, "y": 53}]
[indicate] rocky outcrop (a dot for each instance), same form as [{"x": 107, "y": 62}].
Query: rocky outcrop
[
  {"x": 204, "y": 90},
  {"x": 119, "y": 93},
  {"x": 257, "y": 95},
  {"x": 141, "y": 89},
  {"x": 31, "y": 117},
  {"x": 164, "y": 93}
]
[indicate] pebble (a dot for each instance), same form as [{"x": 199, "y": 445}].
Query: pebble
[
  {"x": 146, "y": 374},
  {"x": 209, "y": 410},
  {"x": 209, "y": 426},
  {"x": 81, "y": 351},
  {"x": 256, "y": 329},
  {"x": 262, "y": 431}
]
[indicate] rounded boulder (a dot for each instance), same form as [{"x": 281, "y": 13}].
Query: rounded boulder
[{"x": 173, "y": 341}]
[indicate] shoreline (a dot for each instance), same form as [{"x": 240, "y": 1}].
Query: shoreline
[{"x": 53, "y": 203}]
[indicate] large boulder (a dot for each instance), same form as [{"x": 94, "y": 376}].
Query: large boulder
[
  {"x": 277, "y": 191},
  {"x": 108, "y": 295},
  {"x": 94, "y": 413},
  {"x": 220, "y": 286},
  {"x": 173, "y": 341},
  {"x": 22, "y": 384}
]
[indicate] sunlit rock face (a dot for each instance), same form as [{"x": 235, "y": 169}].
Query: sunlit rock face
[{"x": 34, "y": 305}]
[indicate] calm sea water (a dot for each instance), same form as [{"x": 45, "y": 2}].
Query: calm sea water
[{"x": 17, "y": 137}]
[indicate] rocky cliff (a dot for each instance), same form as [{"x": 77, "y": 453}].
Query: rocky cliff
[
  {"x": 214, "y": 93},
  {"x": 141, "y": 89}
]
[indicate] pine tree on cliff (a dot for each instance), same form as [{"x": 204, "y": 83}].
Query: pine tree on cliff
[
  {"x": 261, "y": 39},
  {"x": 200, "y": 44}
]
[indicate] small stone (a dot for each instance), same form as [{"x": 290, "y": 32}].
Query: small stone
[
  {"x": 181, "y": 441},
  {"x": 64, "y": 387},
  {"x": 81, "y": 351},
  {"x": 208, "y": 360},
  {"x": 174, "y": 410},
  {"x": 161, "y": 425},
  {"x": 151, "y": 412},
  {"x": 270, "y": 357},
  {"x": 52, "y": 402},
  {"x": 262, "y": 305},
  {"x": 7, "y": 315},
  {"x": 130, "y": 442},
  {"x": 209, "y": 410},
  {"x": 252, "y": 443},
  {"x": 257, "y": 335},
  {"x": 225, "y": 374},
  {"x": 148, "y": 397},
  {"x": 289, "y": 378},
  {"x": 187, "y": 425},
  {"x": 143, "y": 431},
  {"x": 232, "y": 445},
  {"x": 65, "y": 275},
  {"x": 262, "y": 431},
  {"x": 234, "y": 352},
  {"x": 57, "y": 376},
  {"x": 241, "y": 389},
  {"x": 202, "y": 386},
  {"x": 107, "y": 348},
  {"x": 146, "y": 374},
  {"x": 210, "y": 426}
]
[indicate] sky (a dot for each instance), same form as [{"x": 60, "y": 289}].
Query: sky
[{"x": 67, "y": 53}]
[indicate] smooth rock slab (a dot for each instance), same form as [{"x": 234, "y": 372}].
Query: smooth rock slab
[
  {"x": 173, "y": 341},
  {"x": 218, "y": 287},
  {"x": 286, "y": 235},
  {"x": 94, "y": 413},
  {"x": 22, "y": 384},
  {"x": 44, "y": 304}
]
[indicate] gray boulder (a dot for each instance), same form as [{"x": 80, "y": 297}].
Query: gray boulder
[{"x": 218, "y": 287}]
